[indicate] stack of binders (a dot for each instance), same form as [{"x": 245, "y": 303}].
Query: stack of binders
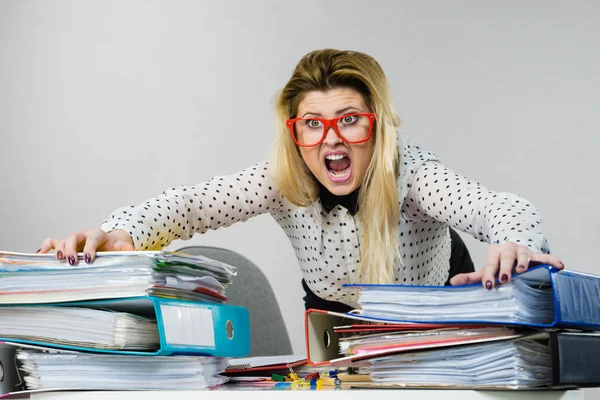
[
  {"x": 539, "y": 331},
  {"x": 127, "y": 321}
]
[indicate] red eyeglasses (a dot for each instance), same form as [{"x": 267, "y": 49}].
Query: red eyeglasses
[{"x": 350, "y": 128}]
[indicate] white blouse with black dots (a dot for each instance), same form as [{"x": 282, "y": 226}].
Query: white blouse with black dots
[{"x": 328, "y": 245}]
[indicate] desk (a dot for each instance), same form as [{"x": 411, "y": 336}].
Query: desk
[{"x": 391, "y": 394}]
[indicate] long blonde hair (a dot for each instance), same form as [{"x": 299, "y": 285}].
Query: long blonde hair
[{"x": 378, "y": 195}]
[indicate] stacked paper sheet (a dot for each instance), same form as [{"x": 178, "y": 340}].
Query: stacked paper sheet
[
  {"x": 75, "y": 326},
  {"x": 521, "y": 300},
  {"x": 507, "y": 364},
  {"x": 41, "y": 278},
  {"x": 127, "y": 321},
  {"x": 115, "y": 372}
]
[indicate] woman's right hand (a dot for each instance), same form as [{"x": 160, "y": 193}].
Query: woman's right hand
[{"x": 88, "y": 241}]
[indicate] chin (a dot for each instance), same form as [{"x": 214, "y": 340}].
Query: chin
[{"x": 340, "y": 190}]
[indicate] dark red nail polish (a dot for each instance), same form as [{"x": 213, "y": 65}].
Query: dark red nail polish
[
  {"x": 38, "y": 251},
  {"x": 520, "y": 267},
  {"x": 71, "y": 260},
  {"x": 488, "y": 285},
  {"x": 88, "y": 258},
  {"x": 59, "y": 255},
  {"x": 504, "y": 278}
]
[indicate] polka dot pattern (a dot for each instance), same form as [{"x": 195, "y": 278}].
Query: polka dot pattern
[
  {"x": 328, "y": 245},
  {"x": 180, "y": 212}
]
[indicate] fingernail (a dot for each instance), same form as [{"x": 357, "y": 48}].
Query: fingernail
[
  {"x": 520, "y": 268},
  {"x": 488, "y": 285},
  {"x": 88, "y": 258},
  {"x": 59, "y": 255},
  {"x": 562, "y": 266},
  {"x": 504, "y": 278},
  {"x": 38, "y": 251},
  {"x": 71, "y": 260}
]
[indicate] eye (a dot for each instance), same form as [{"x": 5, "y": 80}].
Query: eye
[
  {"x": 313, "y": 123},
  {"x": 348, "y": 119}
]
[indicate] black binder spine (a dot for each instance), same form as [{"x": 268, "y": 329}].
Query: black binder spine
[{"x": 575, "y": 359}]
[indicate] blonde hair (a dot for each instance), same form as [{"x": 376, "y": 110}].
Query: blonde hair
[{"x": 378, "y": 195}]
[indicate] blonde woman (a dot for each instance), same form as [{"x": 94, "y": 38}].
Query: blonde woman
[{"x": 358, "y": 201}]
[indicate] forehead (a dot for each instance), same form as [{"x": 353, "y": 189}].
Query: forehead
[{"x": 329, "y": 101}]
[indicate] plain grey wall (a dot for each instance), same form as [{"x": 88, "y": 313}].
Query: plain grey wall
[{"x": 107, "y": 103}]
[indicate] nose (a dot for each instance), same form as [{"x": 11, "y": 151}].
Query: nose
[{"x": 331, "y": 138}]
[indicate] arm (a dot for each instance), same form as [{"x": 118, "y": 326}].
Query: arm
[
  {"x": 491, "y": 217},
  {"x": 180, "y": 212},
  {"x": 510, "y": 223}
]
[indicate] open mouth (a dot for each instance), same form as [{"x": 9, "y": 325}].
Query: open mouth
[{"x": 339, "y": 167}]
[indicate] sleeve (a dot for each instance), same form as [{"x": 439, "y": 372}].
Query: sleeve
[
  {"x": 180, "y": 212},
  {"x": 440, "y": 193}
]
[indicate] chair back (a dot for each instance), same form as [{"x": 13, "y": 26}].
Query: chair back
[{"x": 251, "y": 289}]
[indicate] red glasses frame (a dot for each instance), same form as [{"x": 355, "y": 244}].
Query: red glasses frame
[{"x": 332, "y": 123}]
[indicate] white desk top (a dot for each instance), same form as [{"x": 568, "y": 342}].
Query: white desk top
[{"x": 391, "y": 394}]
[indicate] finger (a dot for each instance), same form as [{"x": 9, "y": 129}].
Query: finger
[
  {"x": 523, "y": 259},
  {"x": 490, "y": 266},
  {"x": 507, "y": 261},
  {"x": 93, "y": 242},
  {"x": 547, "y": 259},
  {"x": 467, "y": 278},
  {"x": 59, "y": 247},
  {"x": 47, "y": 245},
  {"x": 71, "y": 244}
]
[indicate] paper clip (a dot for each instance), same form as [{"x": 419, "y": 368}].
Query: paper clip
[
  {"x": 277, "y": 378},
  {"x": 300, "y": 384},
  {"x": 293, "y": 375},
  {"x": 297, "y": 383}
]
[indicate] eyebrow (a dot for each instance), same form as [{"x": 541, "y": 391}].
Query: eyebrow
[{"x": 343, "y": 110}]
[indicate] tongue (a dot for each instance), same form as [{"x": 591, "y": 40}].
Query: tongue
[{"x": 339, "y": 165}]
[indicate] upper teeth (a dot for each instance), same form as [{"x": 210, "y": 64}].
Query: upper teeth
[{"x": 335, "y": 156}]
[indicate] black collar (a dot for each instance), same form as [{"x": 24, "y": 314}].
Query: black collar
[{"x": 329, "y": 201}]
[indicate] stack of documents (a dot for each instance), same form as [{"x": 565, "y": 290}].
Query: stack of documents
[
  {"x": 538, "y": 331},
  {"x": 114, "y": 372},
  {"x": 540, "y": 297},
  {"x": 78, "y": 326},
  {"x": 36, "y": 278},
  {"x": 505, "y": 364},
  {"x": 127, "y": 321},
  {"x": 369, "y": 344},
  {"x": 520, "y": 300}
]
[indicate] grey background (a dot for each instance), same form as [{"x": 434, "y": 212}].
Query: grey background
[{"x": 107, "y": 103}]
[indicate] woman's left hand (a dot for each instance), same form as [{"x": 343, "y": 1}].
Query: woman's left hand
[{"x": 500, "y": 259}]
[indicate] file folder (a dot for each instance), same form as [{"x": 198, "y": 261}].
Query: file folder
[
  {"x": 575, "y": 354},
  {"x": 575, "y": 359},
  {"x": 184, "y": 327},
  {"x": 575, "y": 300},
  {"x": 264, "y": 363},
  {"x": 11, "y": 381},
  {"x": 33, "y": 369},
  {"x": 322, "y": 340},
  {"x": 41, "y": 278}
]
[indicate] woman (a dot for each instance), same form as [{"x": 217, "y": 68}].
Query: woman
[{"x": 358, "y": 201}]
